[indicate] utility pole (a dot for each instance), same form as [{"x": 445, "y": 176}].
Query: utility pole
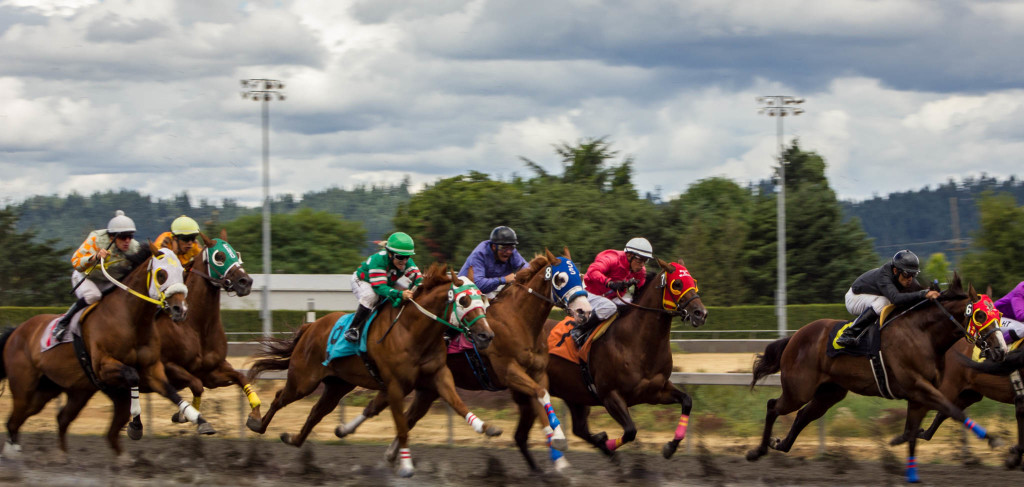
[
  {"x": 780, "y": 106},
  {"x": 265, "y": 90}
]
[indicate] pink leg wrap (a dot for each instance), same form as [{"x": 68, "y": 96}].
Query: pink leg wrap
[
  {"x": 613, "y": 444},
  {"x": 681, "y": 427}
]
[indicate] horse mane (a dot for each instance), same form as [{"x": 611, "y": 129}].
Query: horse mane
[
  {"x": 435, "y": 276},
  {"x": 955, "y": 290},
  {"x": 531, "y": 268}
]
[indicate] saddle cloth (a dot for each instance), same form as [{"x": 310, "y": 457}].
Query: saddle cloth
[
  {"x": 870, "y": 342},
  {"x": 47, "y": 342},
  {"x": 562, "y": 345},
  {"x": 338, "y": 346}
]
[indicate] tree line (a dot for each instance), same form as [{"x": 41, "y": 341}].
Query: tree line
[{"x": 724, "y": 232}]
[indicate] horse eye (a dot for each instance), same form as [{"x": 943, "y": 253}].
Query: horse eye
[
  {"x": 980, "y": 316},
  {"x": 465, "y": 301},
  {"x": 161, "y": 277},
  {"x": 677, "y": 286},
  {"x": 560, "y": 279},
  {"x": 218, "y": 258}
]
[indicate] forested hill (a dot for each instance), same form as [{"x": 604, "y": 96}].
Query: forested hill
[
  {"x": 923, "y": 220},
  {"x": 69, "y": 219}
]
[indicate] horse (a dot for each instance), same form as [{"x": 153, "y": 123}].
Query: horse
[
  {"x": 965, "y": 386},
  {"x": 517, "y": 358},
  {"x": 409, "y": 354},
  {"x": 914, "y": 345},
  {"x": 120, "y": 349},
  {"x": 631, "y": 363}
]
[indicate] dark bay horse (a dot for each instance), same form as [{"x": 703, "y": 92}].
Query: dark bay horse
[
  {"x": 124, "y": 349},
  {"x": 406, "y": 346},
  {"x": 966, "y": 386},
  {"x": 913, "y": 347},
  {"x": 632, "y": 362},
  {"x": 195, "y": 351},
  {"x": 517, "y": 358}
]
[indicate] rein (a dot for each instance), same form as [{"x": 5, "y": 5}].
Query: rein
[
  {"x": 462, "y": 327},
  {"x": 162, "y": 302},
  {"x": 679, "y": 307}
]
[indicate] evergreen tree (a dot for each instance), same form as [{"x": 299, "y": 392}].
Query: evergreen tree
[{"x": 32, "y": 274}]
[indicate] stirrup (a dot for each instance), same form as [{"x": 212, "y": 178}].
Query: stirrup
[
  {"x": 59, "y": 331},
  {"x": 848, "y": 341},
  {"x": 352, "y": 335}
]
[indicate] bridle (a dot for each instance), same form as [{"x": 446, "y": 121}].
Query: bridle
[{"x": 975, "y": 326}]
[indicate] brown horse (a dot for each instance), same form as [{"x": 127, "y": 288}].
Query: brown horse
[
  {"x": 518, "y": 356},
  {"x": 406, "y": 346},
  {"x": 124, "y": 349},
  {"x": 966, "y": 386},
  {"x": 913, "y": 346},
  {"x": 195, "y": 352},
  {"x": 631, "y": 363}
]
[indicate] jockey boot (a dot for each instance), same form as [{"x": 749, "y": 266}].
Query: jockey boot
[
  {"x": 851, "y": 337},
  {"x": 62, "y": 325},
  {"x": 352, "y": 333},
  {"x": 579, "y": 332}
]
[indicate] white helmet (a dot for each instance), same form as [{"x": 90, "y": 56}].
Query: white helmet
[
  {"x": 640, "y": 246},
  {"x": 120, "y": 224}
]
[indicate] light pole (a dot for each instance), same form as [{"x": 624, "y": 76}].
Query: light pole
[
  {"x": 265, "y": 90},
  {"x": 779, "y": 106}
]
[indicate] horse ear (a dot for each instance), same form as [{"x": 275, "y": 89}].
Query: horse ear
[
  {"x": 224, "y": 234},
  {"x": 207, "y": 241},
  {"x": 469, "y": 273},
  {"x": 551, "y": 257},
  {"x": 988, "y": 290},
  {"x": 565, "y": 253},
  {"x": 972, "y": 293},
  {"x": 153, "y": 249},
  {"x": 665, "y": 265}
]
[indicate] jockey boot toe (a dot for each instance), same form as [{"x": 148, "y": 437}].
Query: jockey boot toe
[
  {"x": 847, "y": 341},
  {"x": 352, "y": 335}
]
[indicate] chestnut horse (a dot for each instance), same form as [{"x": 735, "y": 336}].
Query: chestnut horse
[
  {"x": 406, "y": 346},
  {"x": 518, "y": 356},
  {"x": 914, "y": 344},
  {"x": 631, "y": 363},
  {"x": 123, "y": 345}
]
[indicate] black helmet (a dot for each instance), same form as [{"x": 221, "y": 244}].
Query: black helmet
[
  {"x": 503, "y": 236},
  {"x": 907, "y": 262}
]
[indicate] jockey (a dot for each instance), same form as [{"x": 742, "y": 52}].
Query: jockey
[
  {"x": 494, "y": 261},
  {"x": 385, "y": 275},
  {"x": 117, "y": 245},
  {"x": 893, "y": 283},
  {"x": 1012, "y": 308},
  {"x": 607, "y": 280},
  {"x": 181, "y": 239}
]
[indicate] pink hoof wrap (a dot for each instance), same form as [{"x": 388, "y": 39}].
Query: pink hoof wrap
[
  {"x": 681, "y": 427},
  {"x": 613, "y": 444}
]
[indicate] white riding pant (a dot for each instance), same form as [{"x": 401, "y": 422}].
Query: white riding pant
[
  {"x": 89, "y": 290},
  {"x": 1013, "y": 330},
  {"x": 857, "y": 303},
  {"x": 365, "y": 294},
  {"x": 604, "y": 307}
]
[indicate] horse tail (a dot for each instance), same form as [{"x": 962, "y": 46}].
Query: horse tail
[
  {"x": 770, "y": 361},
  {"x": 276, "y": 353},
  {"x": 3, "y": 343}
]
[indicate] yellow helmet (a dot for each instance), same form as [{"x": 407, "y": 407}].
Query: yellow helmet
[{"x": 184, "y": 225}]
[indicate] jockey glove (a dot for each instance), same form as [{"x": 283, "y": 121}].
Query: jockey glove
[{"x": 618, "y": 285}]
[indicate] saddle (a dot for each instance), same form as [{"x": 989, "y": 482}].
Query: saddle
[
  {"x": 870, "y": 346},
  {"x": 47, "y": 342}
]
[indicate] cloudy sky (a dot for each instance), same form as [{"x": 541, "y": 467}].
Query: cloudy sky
[{"x": 145, "y": 95}]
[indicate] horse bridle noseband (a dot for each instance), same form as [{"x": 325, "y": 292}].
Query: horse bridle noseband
[{"x": 680, "y": 310}]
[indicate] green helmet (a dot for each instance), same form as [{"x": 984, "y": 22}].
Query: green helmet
[
  {"x": 184, "y": 225},
  {"x": 400, "y": 243}
]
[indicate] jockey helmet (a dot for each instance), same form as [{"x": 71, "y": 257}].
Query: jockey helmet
[
  {"x": 120, "y": 224},
  {"x": 907, "y": 262},
  {"x": 184, "y": 225},
  {"x": 640, "y": 246},
  {"x": 503, "y": 236},
  {"x": 400, "y": 243}
]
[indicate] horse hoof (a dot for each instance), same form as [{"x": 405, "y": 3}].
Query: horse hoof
[
  {"x": 135, "y": 431},
  {"x": 340, "y": 431},
  {"x": 179, "y": 418},
  {"x": 61, "y": 457},
  {"x": 406, "y": 472},
  {"x": 774, "y": 443},
  {"x": 391, "y": 454},
  {"x": 561, "y": 464},
  {"x": 560, "y": 444},
  {"x": 11, "y": 450},
  {"x": 205, "y": 428},
  {"x": 254, "y": 424},
  {"x": 754, "y": 455},
  {"x": 599, "y": 439},
  {"x": 669, "y": 449},
  {"x": 493, "y": 431},
  {"x": 995, "y": 442},
  {"x": 287, "y": 438}
]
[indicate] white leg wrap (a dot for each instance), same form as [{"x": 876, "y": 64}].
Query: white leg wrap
[
  {"x": 545, "y": 402},
  {"x": 188, "y": 411},
  {"x": 405, "y": 468},
  {"x": 475, "y": 422},
  {"x": 136, "y": 407},
  {"x": 350, "y": 427}
]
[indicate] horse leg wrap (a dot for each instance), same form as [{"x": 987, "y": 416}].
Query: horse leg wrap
[
  {"x": 684, "y": 420},
  {"x": 196, "y": 401},
  {"x": 350, "y": 427},
  {"x": 254, "y": 400},
  {"x": 136, "y": 407},
  {"x": 611, "y": 445},
  {"x": 912, "y": 470},
  {"x": 475, "y": 422},
  {"x": 976, "y": 428},
  {"x": 556, "y": 425},
  {"x": 404, "y": 459},
  {"x": 555, "y": 454},
  {"x": 188, "y": 411}
]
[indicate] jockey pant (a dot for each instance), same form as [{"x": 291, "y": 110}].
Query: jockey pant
[
  {"x": 857, "y": 303},
  {"x": 604, "y": 307},
  {"x": 88, "y": 290},
  {"x": 364, "y": 291},
  {"x": 1013, "y": 330}
]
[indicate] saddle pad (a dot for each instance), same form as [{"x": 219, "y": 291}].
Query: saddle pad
[
  {"x": 870, "y": 341},
  {"x": 338, "y": 346},
  {"x": 47, "y": 342},
  {"x": 562, "y": 345},
  {"x": 976, "y": 352}
]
